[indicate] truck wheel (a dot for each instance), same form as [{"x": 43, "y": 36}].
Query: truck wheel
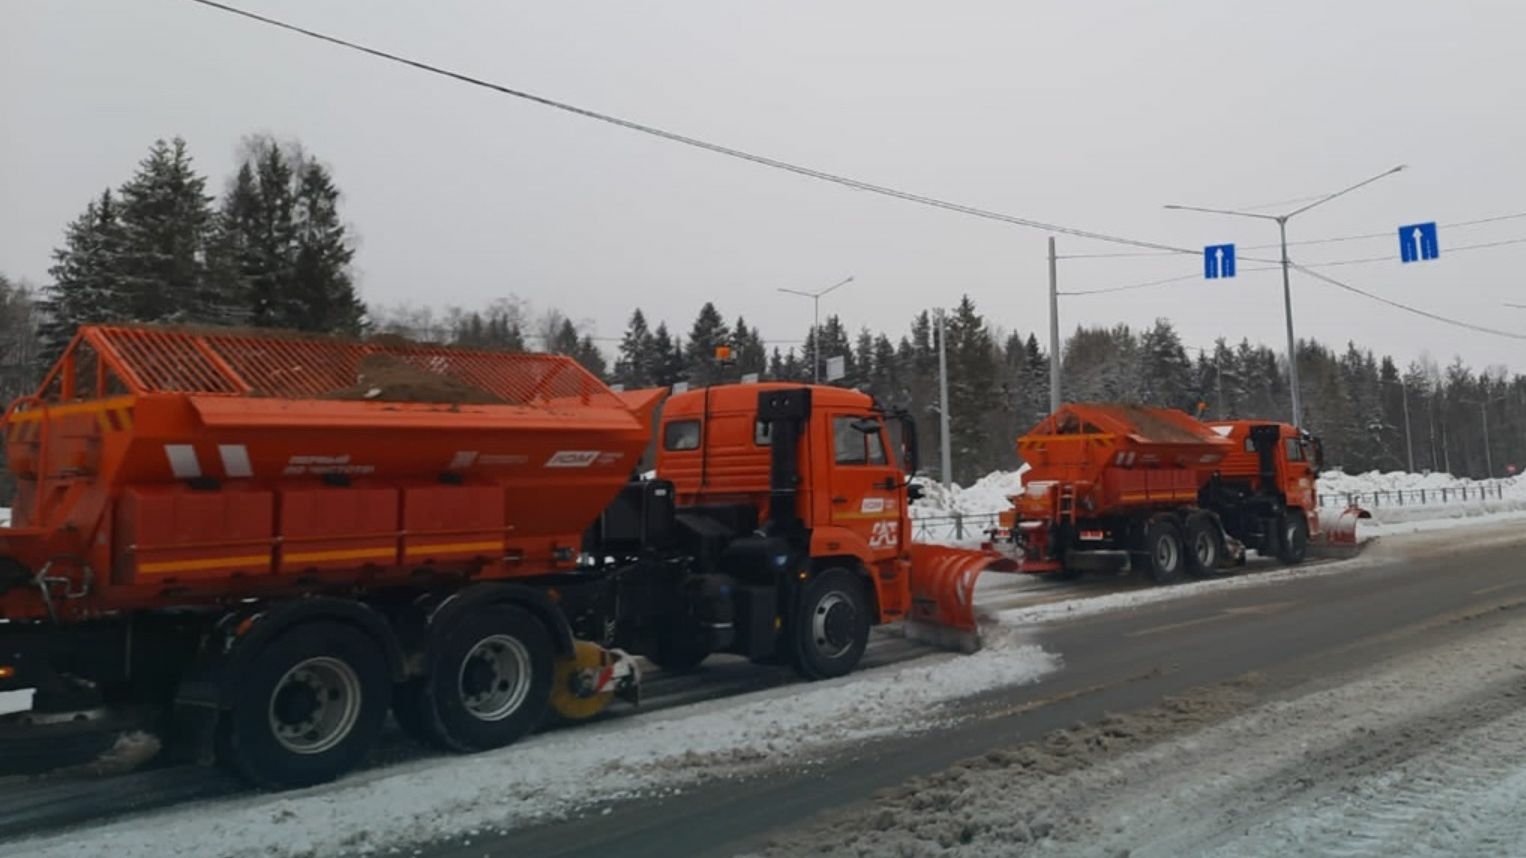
[
  {"x": 831, "y": 629},
  {"x": 489, "y": 682},
  {"x": 1163, "y": 545},
  {"x": 1295, "y": 539},
  {"x": 1204, "y": 545},
  {"x": 308, "y": 708}
]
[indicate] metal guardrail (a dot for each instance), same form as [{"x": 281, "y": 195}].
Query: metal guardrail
[
  {"x": 953, "y": 526},
  {"x": 1476, "y": 492}
]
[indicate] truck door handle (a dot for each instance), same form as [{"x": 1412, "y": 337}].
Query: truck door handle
[{"x": 839, "y": 500}]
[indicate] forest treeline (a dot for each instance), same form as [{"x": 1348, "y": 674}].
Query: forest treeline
[{"x": 271, "y": 250}]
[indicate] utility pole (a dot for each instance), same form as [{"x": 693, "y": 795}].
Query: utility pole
[
  {"x": 1054, "y": 330},
  {"x": 816, "y": 323},
  {"x": 1219, "y": 372},
  {"x": 1409, "y": 443},
  {"x": 1287, "y": 291},
  {"x": 945, "y": 443},
  {"x": 1483, "y": 410}
]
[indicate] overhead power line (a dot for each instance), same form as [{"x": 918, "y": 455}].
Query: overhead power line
[
  {"x": 774, "y": 163},
  {"x": 1407, "y": 308},
  {"x": 1368, "y": 259},
  {"x": 1128, "y": 254}
]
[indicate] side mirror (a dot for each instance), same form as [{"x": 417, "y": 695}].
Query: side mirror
[
  {"x": 867, "y": 426},
  {"x": 914, "y": 492},
  {"x": 910, "y": 457}
]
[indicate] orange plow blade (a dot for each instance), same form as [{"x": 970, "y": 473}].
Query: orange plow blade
[{"x": 943, "y": 593}]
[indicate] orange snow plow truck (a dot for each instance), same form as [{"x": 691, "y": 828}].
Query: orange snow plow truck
[
  {"x": 257, "y": 544},
  {"x": 1111, "y": 486}
]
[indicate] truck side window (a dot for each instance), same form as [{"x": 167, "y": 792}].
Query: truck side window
[
  {"x": 1295, "y": 450},
  {"x": 681, "y": 435},
  {"x": 853, "y": 447}
]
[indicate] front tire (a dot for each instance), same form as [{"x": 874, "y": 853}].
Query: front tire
[
  {"x": 1294, "y": 545},
  {"x": 831, "y": 627},
  {"x": 309, "y": 707}
]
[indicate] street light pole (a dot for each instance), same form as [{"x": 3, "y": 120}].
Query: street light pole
[
  {"x": 945, "y": 443},
  {"x": 1409, "y": 443},
  {"x": 816, "y": 322},
  {"x": 1054, "y": 330},
  {"x": 1483, "y": 410},
  {"x": 1287, "y": 291},
  {"x": 1287, "y": 307}
]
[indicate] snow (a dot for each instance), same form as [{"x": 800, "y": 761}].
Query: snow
[
  {"x": 553, "y": 775},
  {"x": 990, "y": 495},
  {"x": 1420, "y": 754},
  {"x": 15, "y": 701}
]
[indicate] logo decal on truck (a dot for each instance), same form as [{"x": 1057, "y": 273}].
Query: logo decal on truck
[
  {"x": 308, "y": 464},
  {"x": 872, "y": 505},
  {"x": 572, "y": 458},
  {"x": 884, "y": 534}
]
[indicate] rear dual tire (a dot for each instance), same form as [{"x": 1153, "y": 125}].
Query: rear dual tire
[
  {"x": 487, "y": 682},
  {"x": 1164, "y": 551},
  {"x": 1204, "y": 545},
  {"x": 308, "y": 707}
]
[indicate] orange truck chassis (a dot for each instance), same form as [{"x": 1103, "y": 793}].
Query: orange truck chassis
[
  {"x": 1113, "y": 486},
  {"x": 260, "y": 544}
]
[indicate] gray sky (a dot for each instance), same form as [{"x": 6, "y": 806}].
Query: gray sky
[{"x": 1086, "y": 114}]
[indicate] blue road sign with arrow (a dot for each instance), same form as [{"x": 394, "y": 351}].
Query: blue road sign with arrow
[
  {"x": 1417, "y": 242},
  {"x": 1218, "y": 261}
]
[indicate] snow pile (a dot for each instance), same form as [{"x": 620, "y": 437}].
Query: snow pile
[
  {"x": 561, "y": 773},
  {"x": 1338, "y": 482},
  {"x": 989, "y": 495},
  {"x": 986, "y": 496},
  {"x": 15, "y": 701}
]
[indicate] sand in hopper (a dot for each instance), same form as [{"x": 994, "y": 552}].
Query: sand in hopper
[{"x": 385, "y": 378}]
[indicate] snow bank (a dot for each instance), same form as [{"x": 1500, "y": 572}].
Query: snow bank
[
  {"x": 557, "y": 774},
  {"x": 15, "y": 701},
  {"x": 986, "y": 496},
  {"x": 989, "y": 495}
]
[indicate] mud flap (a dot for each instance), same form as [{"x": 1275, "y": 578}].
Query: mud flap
[{"x": 943, "y": 594}]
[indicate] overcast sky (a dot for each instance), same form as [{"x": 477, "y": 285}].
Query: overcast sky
[{"x": 1085, "y": 114}]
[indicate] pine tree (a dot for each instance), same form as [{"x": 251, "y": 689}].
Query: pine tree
[
  {"x": 863, "y": 360},
  {"x": 322, "y": 296},
  {"x": 1165, "y": 371},
  {"x": 166, "y": 222},
  {"x": 636, "y": 361},
  {"x": 709, "y": 332},
  {"x": 668, "y": 350},
  {"x": 751, "y": 353},
  {"x": 281, "y": 249},
  {"x": 974, "y": 398},
  {"x": 87, "y": 286}
]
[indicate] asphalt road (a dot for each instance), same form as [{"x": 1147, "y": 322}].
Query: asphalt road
[{"x": 1289, "y": 632}]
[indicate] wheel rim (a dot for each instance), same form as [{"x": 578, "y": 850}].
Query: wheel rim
[
  {"x": 832, "y": 624},
  {"x": 1205, "y": 549},
  {"x": 495, "y": 676},
  {"x": 1165, "y": 553},
  {"x": 1292, "y": 537},
  {"x": 315, "y": 705}
]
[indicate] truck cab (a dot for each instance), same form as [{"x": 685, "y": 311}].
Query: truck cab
[
  {"x": 849, "y": 476},
  {"x": 1269, "y": 474}
]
